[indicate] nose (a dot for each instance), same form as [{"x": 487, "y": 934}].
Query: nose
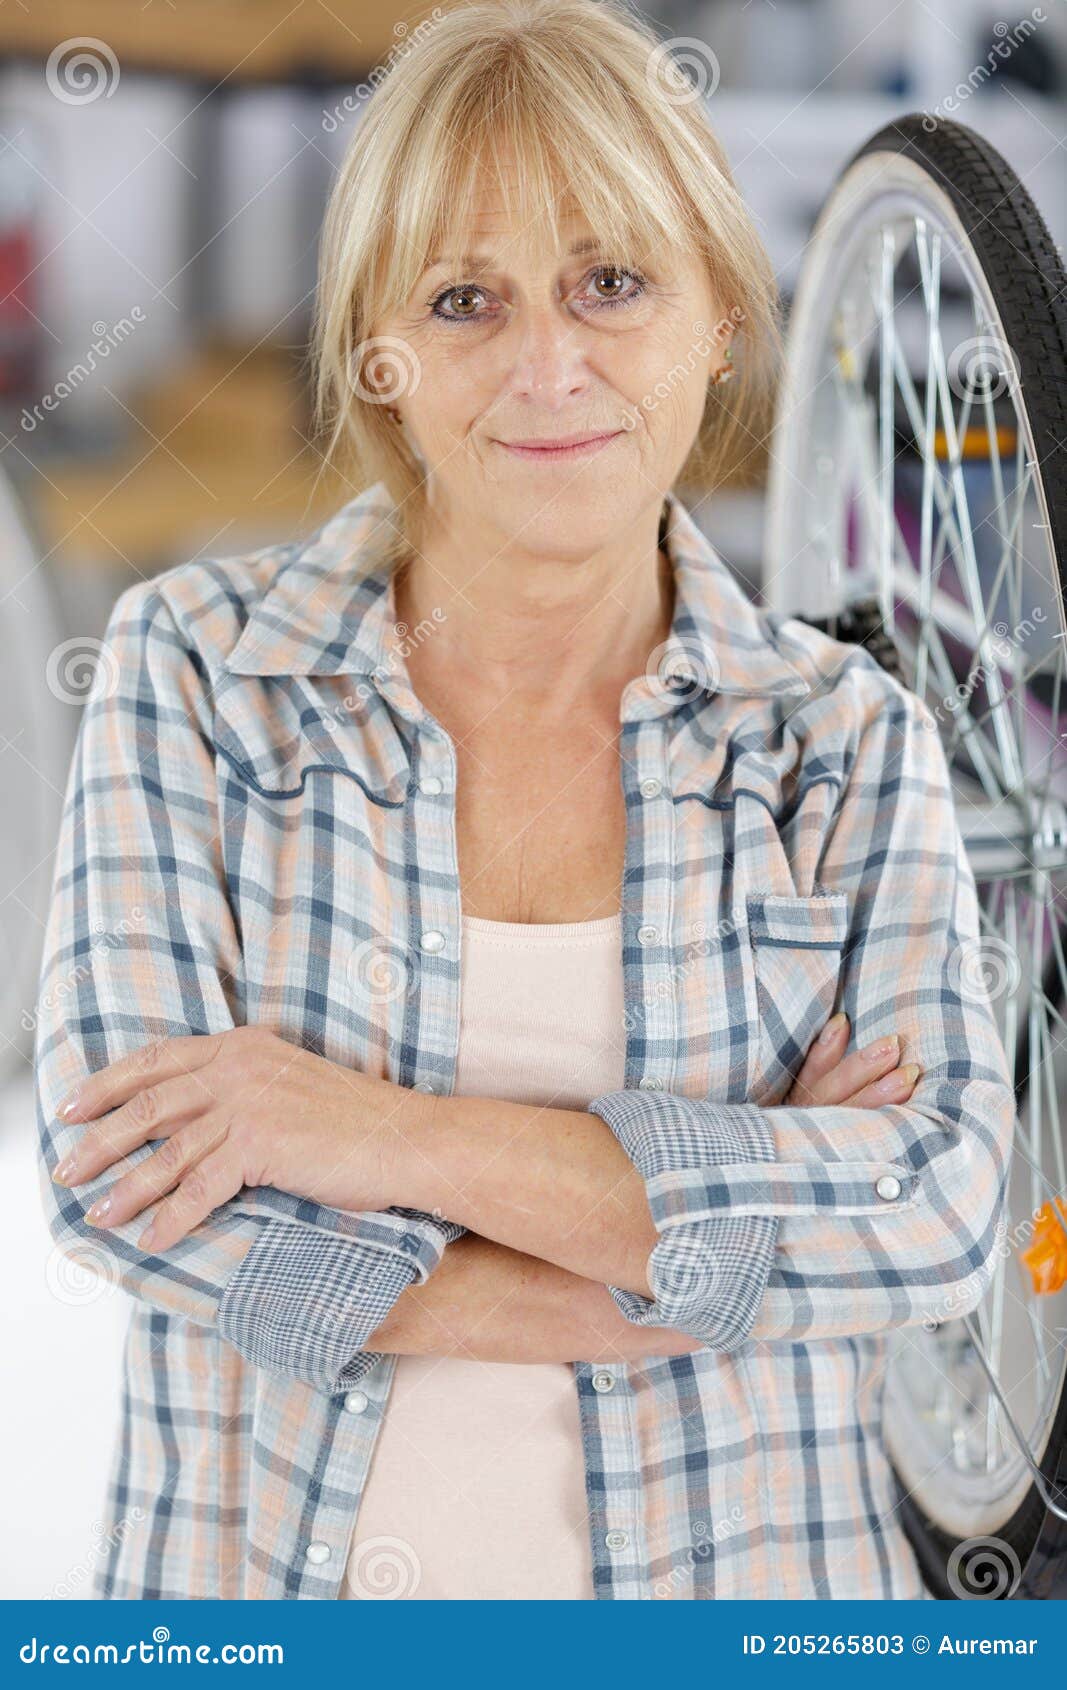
[{"x": 549, "y": 362}]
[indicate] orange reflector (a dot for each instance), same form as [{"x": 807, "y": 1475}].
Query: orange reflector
[
  {"x": 1047, "y": 1255},
  {"x": 975, "y": 442}
]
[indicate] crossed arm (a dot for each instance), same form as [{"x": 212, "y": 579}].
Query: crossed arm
[
  {"x": 552, "y": 1206},
  {"x": 327, "y": 1215},
  {"x": 493, "y": 1302}
]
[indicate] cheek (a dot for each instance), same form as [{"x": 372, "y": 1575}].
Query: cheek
[
  {"x": 665, "y": 387},
  {"x": 456, "y": 386},
  {"x": 667, "y": 406}
]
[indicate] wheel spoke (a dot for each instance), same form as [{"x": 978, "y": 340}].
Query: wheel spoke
[{"x": 927, "y": 498}]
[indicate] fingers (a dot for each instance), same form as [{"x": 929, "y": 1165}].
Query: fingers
[
  {"x": 214, "y": 1180},
  {"x": 869, "y": 1077},
  {"x": 155, "y": 1112},
  {"x": 820, "y": 1061},
  {"x": 860, "y": 1069},
  {"x": 181, "y": 1161},
  {"x": 162, "y": 1059},
  {"x": 896, "y": 1087}
]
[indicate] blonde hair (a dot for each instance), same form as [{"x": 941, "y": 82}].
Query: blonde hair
[{"x": 583, "y": 94}]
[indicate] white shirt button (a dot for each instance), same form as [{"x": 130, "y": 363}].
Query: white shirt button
[
  {"x": 357, "y": 1402},
  {"x": 649, "y": 1082},
  {"x": 651, "y": 788},
  {"x": 432, "y": 940},
  {"x": 317, "y": 1553},
  {"x": 888, "y": 1187},
  {"x": 616, "y": 1539},
  {"x": 603, "y": 1381},
  {"x": 422, "y": 1085},
  {"x": 647, "y": 935},
  {"x": 430, "y": 785}
]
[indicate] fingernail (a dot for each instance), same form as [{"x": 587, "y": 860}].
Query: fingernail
[
  {"x": 833, "y": 1027},
  {"x": 69, "y": 1105},
  {"x": 99, "y": 1209},
  {"x": 901, "y": 1079},
  {"x": 880, "y": 1047},
  {"x": 65, "y": 1172},
  {"x": 147, "y": 1238}
]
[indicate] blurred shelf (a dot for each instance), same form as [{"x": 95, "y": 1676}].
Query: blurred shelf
[
  {"x": 217, "y": 460},
  {"x": 228, "y": 40}
]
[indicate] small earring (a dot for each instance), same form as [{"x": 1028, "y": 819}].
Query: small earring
[{"x": 726, "y": 371}]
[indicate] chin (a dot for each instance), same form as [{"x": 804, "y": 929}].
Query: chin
[{"x": 574, "y": 520}]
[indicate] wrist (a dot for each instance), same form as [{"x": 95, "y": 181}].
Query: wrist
[
  {"x": 412, "y": 1138},
  {"x": 457, "y": 1138}
]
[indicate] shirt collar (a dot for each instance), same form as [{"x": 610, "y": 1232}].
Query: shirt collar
[{"x": 329, "y": 610}]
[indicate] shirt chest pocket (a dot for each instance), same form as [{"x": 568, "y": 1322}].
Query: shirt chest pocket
[{"x": 797, "y": 946}]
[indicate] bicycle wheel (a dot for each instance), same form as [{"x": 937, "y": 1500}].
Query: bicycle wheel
[{"x": 918, "y": 502}]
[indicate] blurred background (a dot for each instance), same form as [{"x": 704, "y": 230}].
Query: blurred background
[{"x": 163, "y": 172}]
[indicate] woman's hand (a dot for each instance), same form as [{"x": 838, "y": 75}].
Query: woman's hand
[
  {"x": 869, "y": 1078},
  {"x": 243, "y": 1107}
]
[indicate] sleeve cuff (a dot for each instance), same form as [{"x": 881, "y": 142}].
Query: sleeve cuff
[
  {"x": 305, "y": 1303},
  {"x": 708, "y": 1272}
]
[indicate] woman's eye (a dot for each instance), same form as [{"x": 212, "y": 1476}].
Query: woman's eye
[
  {"x": 614, "y": 280},
  {"x": 464, "y": 304},
  {"x": 612, "y": 287}
]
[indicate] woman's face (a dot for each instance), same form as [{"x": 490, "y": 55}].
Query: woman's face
[{"x": 519, "y": 341}]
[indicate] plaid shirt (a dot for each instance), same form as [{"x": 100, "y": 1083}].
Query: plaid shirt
[{"x": 260, "y": 818}]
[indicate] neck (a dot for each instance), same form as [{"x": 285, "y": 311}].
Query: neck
[{"x": 547, "y": 628}]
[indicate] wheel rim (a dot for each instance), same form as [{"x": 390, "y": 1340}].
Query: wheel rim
[{"x": 905, "y": 472}]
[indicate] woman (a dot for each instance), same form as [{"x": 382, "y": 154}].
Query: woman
[{"x": 445, "y": 907}]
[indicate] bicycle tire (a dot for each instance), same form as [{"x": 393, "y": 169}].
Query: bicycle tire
[{"x": 1025, "y": 273}]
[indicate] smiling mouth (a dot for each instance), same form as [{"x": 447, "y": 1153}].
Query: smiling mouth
[{"x": 546, "y": 450}]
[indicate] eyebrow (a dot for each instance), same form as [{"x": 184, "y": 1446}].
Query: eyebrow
[{"x": 469, "y": 260}]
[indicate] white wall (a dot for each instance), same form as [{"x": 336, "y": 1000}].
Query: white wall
[{"x": 61, "y": 1340}]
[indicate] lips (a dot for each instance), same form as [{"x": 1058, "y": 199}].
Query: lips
[{"x": 567, "y": 445}]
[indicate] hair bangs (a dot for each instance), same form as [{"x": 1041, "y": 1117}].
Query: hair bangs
[{"x": 522, "y": 146}]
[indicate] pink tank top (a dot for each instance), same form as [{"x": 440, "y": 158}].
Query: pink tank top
[{"x": 477, "y": 1484}]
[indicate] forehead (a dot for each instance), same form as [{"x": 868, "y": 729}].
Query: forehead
[
  {"x": 495, "y": 233},
  {"x": 486, "y": 211},
  {"x": 495, "y": 220},
  {"x": 495, "y": 195}
]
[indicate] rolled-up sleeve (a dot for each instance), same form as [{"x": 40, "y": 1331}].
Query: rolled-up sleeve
[
  {"x": 831, "y": 1221},
  {"x": 141, "y": 944}
]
